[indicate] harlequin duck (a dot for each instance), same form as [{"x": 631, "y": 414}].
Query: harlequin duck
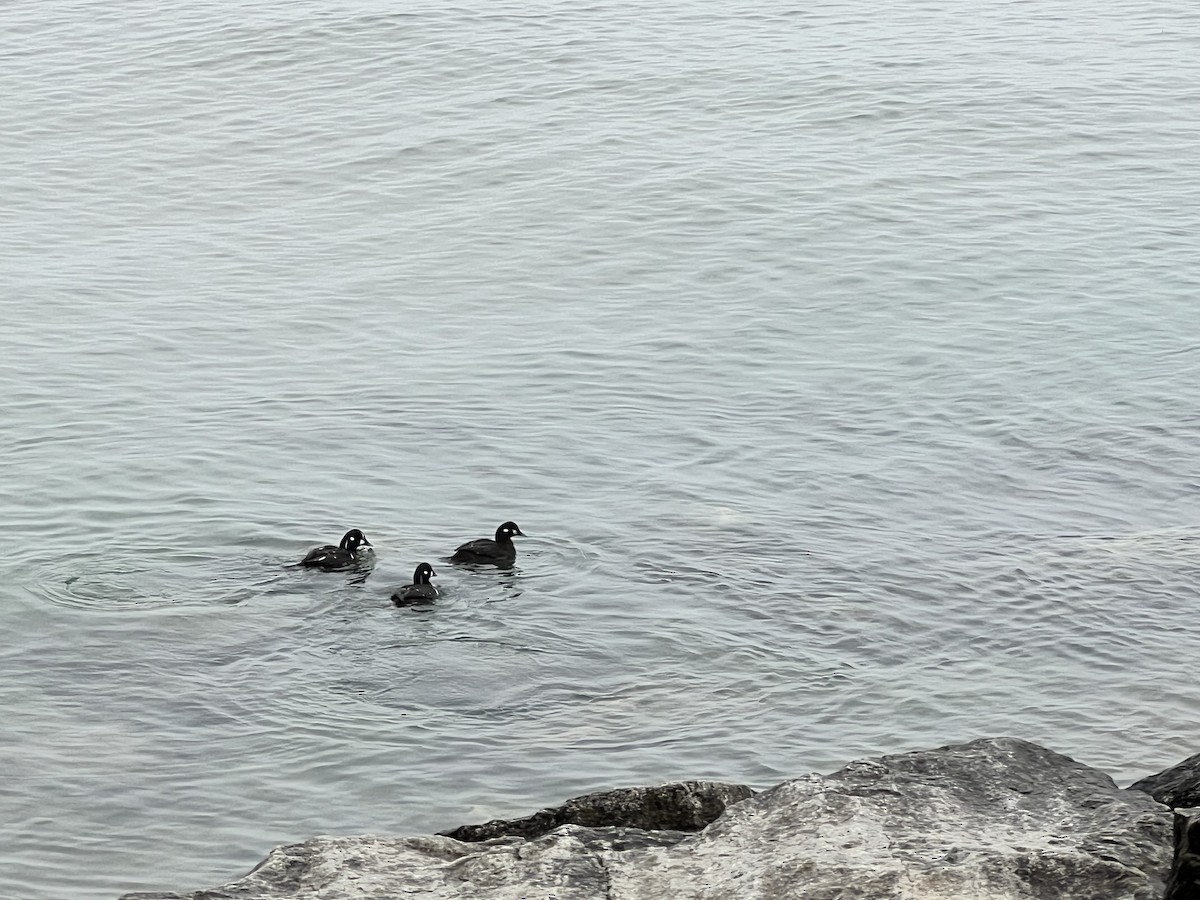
[
  {"x": 420, "y": 591},
  {"x": 353, "y": 550},
  {"x": 499, "y": 552}
]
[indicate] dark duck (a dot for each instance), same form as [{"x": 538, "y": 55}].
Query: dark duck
[
  {"x": 353, "y": 550},
  {"x": 420, "y": 591},
  {"x": 485, "y": 551}
]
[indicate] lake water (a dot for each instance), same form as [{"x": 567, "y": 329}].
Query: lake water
[{"x": 838, "y": 362}]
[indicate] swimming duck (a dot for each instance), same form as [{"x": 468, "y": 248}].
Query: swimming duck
[
  {"x": 420, "y": 591},
  {"x": 353, "y": 549},
  {"x": 499, "y": 552}
]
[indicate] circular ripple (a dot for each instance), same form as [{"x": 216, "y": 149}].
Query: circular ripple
[{"x": 131, "y": 581}]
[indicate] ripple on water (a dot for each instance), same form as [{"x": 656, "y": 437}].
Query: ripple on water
[
  {"x": 563, "y": 557},
  {"x": 102, "y": 582},
  {"x": 117, "y": 581}
]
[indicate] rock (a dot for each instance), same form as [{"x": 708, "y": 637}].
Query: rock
[
  {"x": 1178, "y": 786},
  {"x": 681, "y": 806},
  {"x": 998, "y": 819},
  {"x": 1184, "y": 883}
]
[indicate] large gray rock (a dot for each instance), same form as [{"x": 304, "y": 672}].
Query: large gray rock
[
  {"x": 1178, "y": 786},
  {"x": 990, "y": 820}
]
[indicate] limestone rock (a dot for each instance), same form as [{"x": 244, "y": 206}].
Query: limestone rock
[
  {"x": 998, "y": 819},
  {"x": 1178, "y": 786}
]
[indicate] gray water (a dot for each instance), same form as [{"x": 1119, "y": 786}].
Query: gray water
[{"x": 837, "y": 361}]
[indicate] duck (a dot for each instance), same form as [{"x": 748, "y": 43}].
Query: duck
[
  {"x": 499, "y": 552},
  {"x": 353, "y": 549},
  {"x": 420, "y": 591}
]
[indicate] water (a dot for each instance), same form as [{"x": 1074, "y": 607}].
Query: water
[{"x": 837, "y": 362}]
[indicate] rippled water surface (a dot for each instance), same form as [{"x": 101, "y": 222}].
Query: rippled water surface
[{"x": 837, "y": 361}]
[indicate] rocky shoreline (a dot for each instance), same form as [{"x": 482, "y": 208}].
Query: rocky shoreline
[{"x": 992, "y": 819}]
